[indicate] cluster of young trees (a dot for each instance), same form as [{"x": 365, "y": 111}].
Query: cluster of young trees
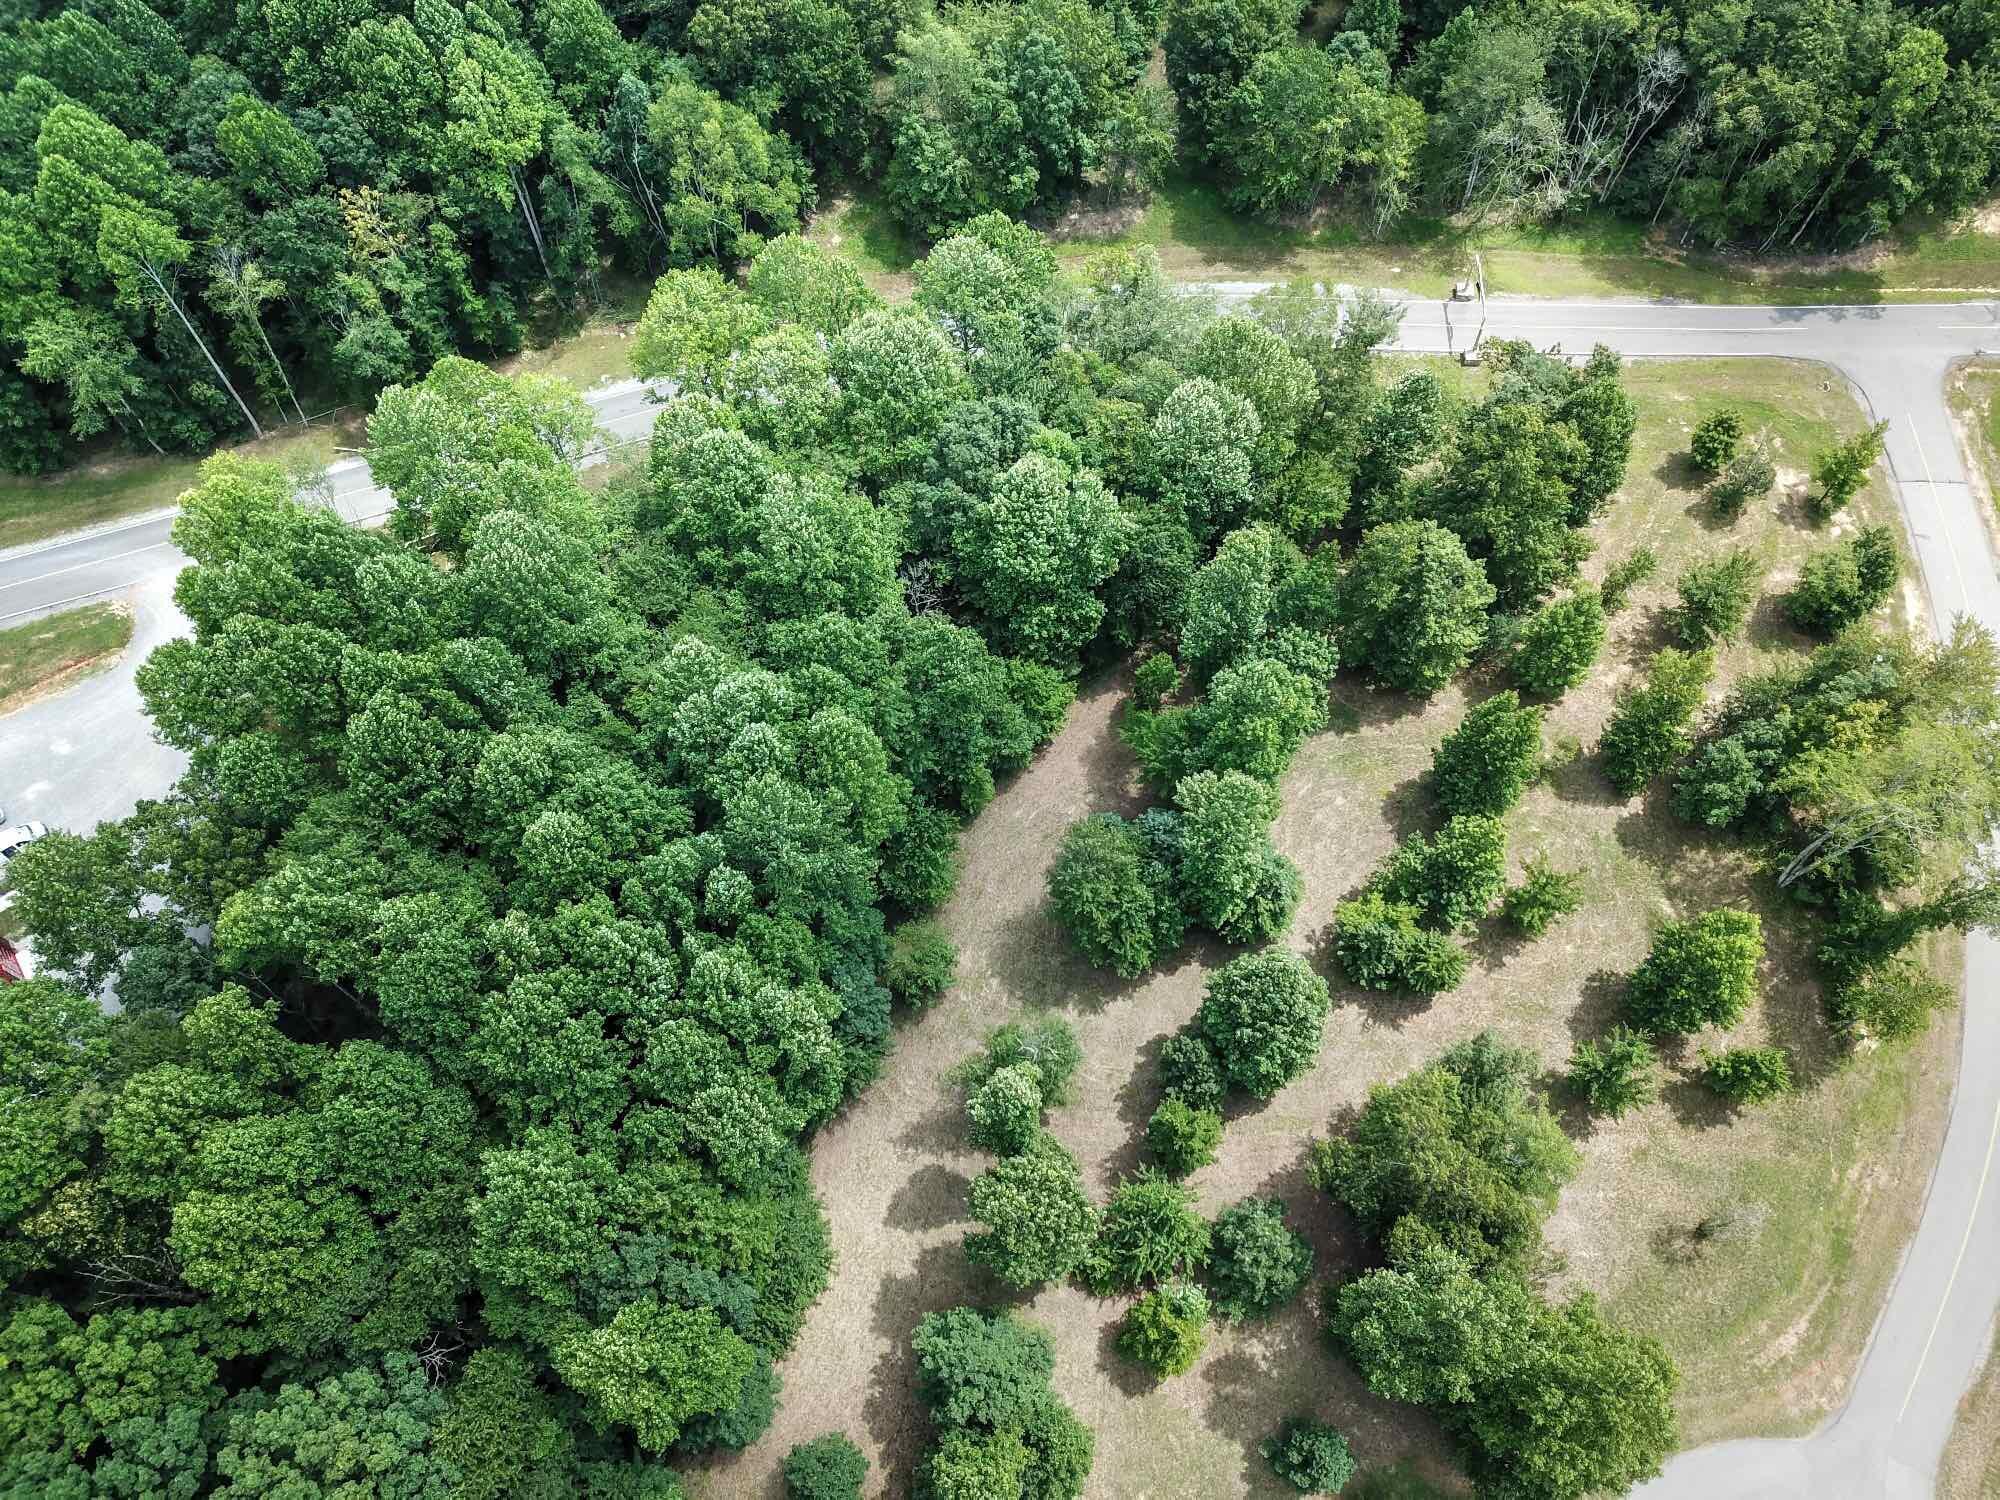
[
  {"x": 1001, "y": 1432},
  {"x": 1450, "y": 1172}
]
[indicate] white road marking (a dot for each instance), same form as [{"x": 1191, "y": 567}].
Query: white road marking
[
  {"x": 1945, "y": 1301},
  {"x": 51, "y": 608},
  {"x": 1944, "y": 528},
  {"x": 74, "y": 567}
]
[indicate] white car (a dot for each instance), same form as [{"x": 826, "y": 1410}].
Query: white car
[{"x": 14, "y": 840}]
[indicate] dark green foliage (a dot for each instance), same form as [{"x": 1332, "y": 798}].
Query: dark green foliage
[
  {"x": 1841, "y": 471},
  {"x": 923, "y": 962},
  {"x": 1844, "y": 582},
  {"x": 1191, "y": 1072},
  {"x": 1648, "y": 730},
  {"x": 1715, "y": 599},
  {"x": 1112, "y": 887},
  {"x": 1182, "y": 1139},
  {"x": 829, "y": 1467},
  {"x": 1747, "y": 1075},
  {"x": 1039, "y": 1224},
  {"x": 1166, "y": 1329},
  {"x": 1256, "y": 1262},
  {"x": 1412, "y": 606},
  {"x": 1485, "y": 764},
  {"x": 1255, "y": 715},
  {"x": 1622, "y": 578},
  {"x": 1559, "y": 645},
  {"x": 1544, "y": 897},
  {"x": 1231, "y": 880},
  {"x": 1715, "y": 438},
  {"x": 1002, "y": 1433},
  {"x": 1309, "y": 1455},
  {"x": 1461, "y": 1154},
  {"x": 1701, "y": 972},
  {"x": 1450, "y": 879},
  {"x": 1383, "y": 945},
  {"x": 1154, "y": 680},
  {"x": 1149, "y": 1232},
  {"x": 1262, "y": 1016},
  {"x": 1614, "y": 1074}
]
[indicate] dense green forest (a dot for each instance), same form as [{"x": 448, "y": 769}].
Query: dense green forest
[{"x": 211, "y": 211}]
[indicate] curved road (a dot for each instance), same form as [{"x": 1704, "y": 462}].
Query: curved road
[{"x": 87, "y": 755}]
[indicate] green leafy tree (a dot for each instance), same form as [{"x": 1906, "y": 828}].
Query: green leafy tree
[
  {"x": 1544, "y": 897},
  {"x": 1166, "y": 1329},
  {"x": 1485, "y": 764},
  {"x": 1382, "y": 944},
  {"x": 1210, "y": 45},
  {"x": 1231, "y": 880},
  {"x": 1560, "y": 644},
  {"x": 1747, "y": 477},
  {"x": 1182, "y": 1138},
  {"x": 1747, "y": 1075},
  {"x": 1648, "y": 730},
  {"x": 1839, "y": 472},
  {"x": 1039, "y": 1224},
  {"x": 1701, "y": 972},
  {"x": 1452, "y": 878},
  {"x": 1149, "y": 1233},
  {"x": 1310, "y": 1456},
  {"x": 1430, "y": 1329},
  {"x": 1715, "y": 438},
  {"x": 1262, "y": 1015},
  {"x": 1614, "y": 1074},
  {"x": 1413, "y": 606},
  {"x": 1622, "y": 578},
  {"x": 1845, "y": 582},
  {"x": 1112, "y": 889},
  {"x": 1005, "y": 1112},
  {"x": 828, "y": 1467},
  {"x": 1715, "y": 599},
  {"x": 1257, "y": 1263}
]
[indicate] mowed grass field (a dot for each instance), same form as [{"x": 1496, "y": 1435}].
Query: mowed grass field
[{"x": 1824, "y": 1187}]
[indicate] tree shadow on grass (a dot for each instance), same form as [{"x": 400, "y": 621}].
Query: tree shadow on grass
[
  {"x": 1128, "y": 1377},
  {"x": 1033, "y": 959},
  {"x": 931, "y": 1198},
  {"x": 940, "y": 1278}
]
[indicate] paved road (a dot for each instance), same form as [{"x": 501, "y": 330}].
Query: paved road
[{"x": 86, "y": 756}]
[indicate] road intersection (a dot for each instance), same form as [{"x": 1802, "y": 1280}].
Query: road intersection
[{"x": 87, "y": 755}]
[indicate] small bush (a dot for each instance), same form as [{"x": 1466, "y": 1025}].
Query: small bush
[
  {"x": 923, "y": 962},
  {"x": 1005, "y": 1111},
  {"x": 827, "y": 1468},
  {"x": 1149, "y": 1232},
  {"x": 1614, "y": 1075},
  {"x": 1747, "y": 1075},
  {"x": 1749, "y": 476},
  {"x": 1891, "y": 1003},
  {"x": 1166, "y": 1329},
  {"x": 1544, "y": 897},
  {"x": 1452, "y": 878},
  {"x": 1182, "y": 1139},
  {"x": 1619, "y": 582},
  {"x": 1843, "y": 583},
  {"x": 1381, "y": 946},
  {"x": 1191, "y": 1072},
  {"x": 1714, "y": 442},
  {"x": 1263, "y": 1015},
  {"x": 1559, "y": 646},
  {"x": 1155, "y": 680},
  {"x": 1311, "y": 1456},
  {"x": 1256, "y": 1263},
  {"x": 1840, "y": 472},
  {"x": 1649, "y": 724},
  {"x": 1700, "y": 973},
  {"x": 1716, "y": 596},
  {"x": 1114, "y": 895}
]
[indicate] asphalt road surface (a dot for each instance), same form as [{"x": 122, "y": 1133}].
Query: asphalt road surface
[{"x": 88, "y": 755}]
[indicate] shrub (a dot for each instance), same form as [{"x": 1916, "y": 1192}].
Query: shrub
[
  {"x": 1544, "y": 896},
  {"x": 1892, "y": 1002},
  {"x": 1649, "y": 725},
  {"x": 827, "y": 1468},
  {"x": 1616, "y": 1074},
  {"x": 1113, "y": 893},
  {"x": 1182, "y": 1139},
  {"x": 1006, "y": 1110},
  {"x": 1154, "y": 680},
  {"x": 1310, "y": 1455},
  {"x": 1166, "y": 1329},
  {"x": 1843, "y": 583},
  {"x": 1715, "y": 439},
  {"x": 1716, "y": 596},
  {"x": 1381, "y": 946},
  {"x": 1747, "y": 1075},
  {"x": 1232, "y": 881},
  {"x": 1625, "y": 577},
  {"x": 1558, "y": 647},
  {"x": 1701, "y": 972},
  {"x": 923, "y": 962},
  {"x": 1191, "y": 1072},
  {"x": 1256, "y": 1263},
  {"x": 1049, "y": 1046},
  {"x": 1149, "y": 1233},
  {"x": 980, "y": 1369},
  {"x": 1263, "y": 1014},
  {"x": 1485, "y": 764},
  {"x": 920, "y": 860},
  {"x": 1452, "y": 878},
  {"x": 1040, "y": 1225},
  {"x": 1749, "y": 476}
]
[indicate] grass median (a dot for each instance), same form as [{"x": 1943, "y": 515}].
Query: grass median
[{"x": 56, "y": 650}]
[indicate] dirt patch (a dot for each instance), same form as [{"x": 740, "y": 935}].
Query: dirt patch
[{"x": 1767, "y": 1327}]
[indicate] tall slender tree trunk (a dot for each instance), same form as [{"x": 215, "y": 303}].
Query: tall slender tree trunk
[
  {"x": 528, "y": 216},
  {"x": 159, "y": 282},
  {"x": 279, "y": 365}
]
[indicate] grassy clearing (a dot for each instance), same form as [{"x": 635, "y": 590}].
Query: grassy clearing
[
  {"x": 1974, "y": 395},
  {"x": 60, "y": 648},
  {"x": 1767, "y": 1329},
  {"x": 1198, "y": 237}
]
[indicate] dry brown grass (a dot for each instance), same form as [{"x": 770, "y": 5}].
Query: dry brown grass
[{"x": 1766, "y": 1329}]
